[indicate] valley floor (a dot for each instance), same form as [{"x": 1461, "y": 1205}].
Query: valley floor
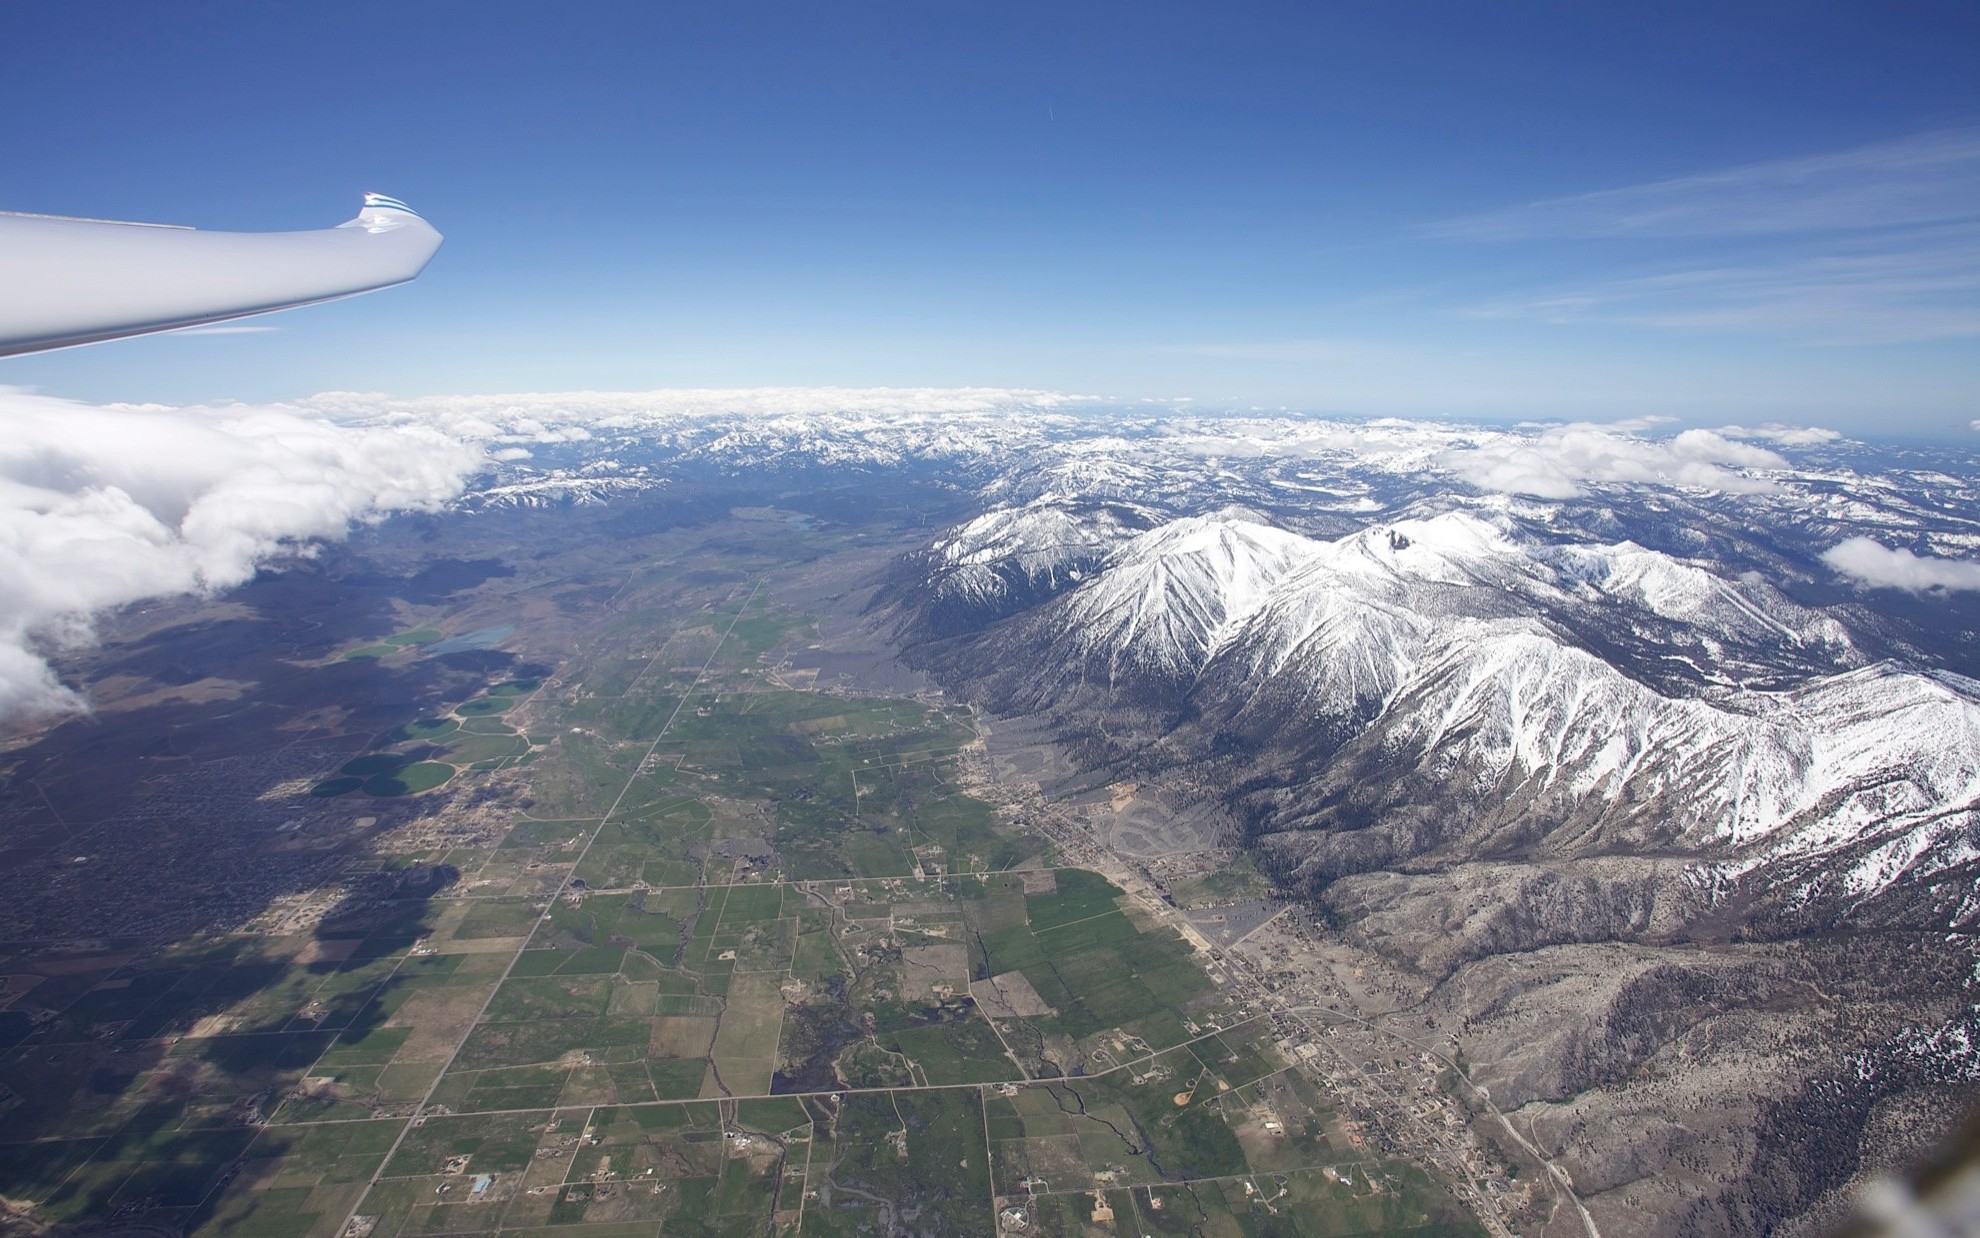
[{"x": 650, "y": 910}]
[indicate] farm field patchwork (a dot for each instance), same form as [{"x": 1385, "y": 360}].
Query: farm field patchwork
[{"x": 692, "y": 946}]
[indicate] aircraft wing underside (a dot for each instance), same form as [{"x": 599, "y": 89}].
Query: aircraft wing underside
[{"x": 65, "y": 281}]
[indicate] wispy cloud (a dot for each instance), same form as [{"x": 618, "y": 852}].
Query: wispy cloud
[
  {"x": 1913, "y": 284},
  {"x": 1872, "y": 563},
  {"x": 1927, "y": 178},
  {"x": 1876, "y": 244}
]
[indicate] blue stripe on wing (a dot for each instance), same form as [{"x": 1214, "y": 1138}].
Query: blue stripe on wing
[{"x": 388, "y": 203}]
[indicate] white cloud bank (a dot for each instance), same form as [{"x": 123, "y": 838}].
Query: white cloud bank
[
  {"x": 1561, "y": 462},
  {"x": 571, "y": 416},
  {"x": 1785, "y": 436},
  {"x": 104, "y": 506},
  {"x": 1870, "y": 562}
]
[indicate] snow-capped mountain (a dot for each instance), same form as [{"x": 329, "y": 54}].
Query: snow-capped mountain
[
  {"x": 1164, "y": 601},
  {"x": 1876, "y": 772},
  {"x": 1591, "y": 695},
  {"x": 1358, "y": 613},
  {"x": 1585, "y": 745},
  {"x": 558, "y": 487},
  {"x": 1014, "y": 557}
]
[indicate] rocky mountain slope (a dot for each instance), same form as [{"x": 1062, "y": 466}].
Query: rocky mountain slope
[{"x": 1470, "y": 743}]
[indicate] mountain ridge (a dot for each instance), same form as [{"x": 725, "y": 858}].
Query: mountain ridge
[{"x": 1475, "y": 750}]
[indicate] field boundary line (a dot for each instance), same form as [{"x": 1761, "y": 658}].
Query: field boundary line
[{"x": 419, "y": 1111}]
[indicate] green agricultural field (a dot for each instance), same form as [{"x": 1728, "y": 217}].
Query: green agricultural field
[
  {"x": 409, "y": 779},
  {"x": 725, "y": 956},
  {"x": 468, "y": 749},
  {"x": 498, "y": 918},
  {"x": 395, "y": 644},
  {"x": 426, "y": 729}
]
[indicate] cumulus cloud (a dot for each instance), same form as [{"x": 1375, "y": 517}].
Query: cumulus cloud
[
  {"x": 1872, "y": 563},
  {"x": 105, "y": 505},
  {"x": 1561, "y": 462},
  {"x": 102, "y": 506}
]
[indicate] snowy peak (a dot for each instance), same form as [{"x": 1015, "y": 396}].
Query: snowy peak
[
  {"x": 1011, "y": 558},
  {"x": 1355, "y": 612},
  {"x": 1567, "y": 580},
  {"x": 1166, "y": 598},
  {"x": 1533, "y": 674},
  {"x": 1037, "y": 539},
  {"x": 1457, "y": 548},
  {"x": 1882, "y": 727},
  {"x": 1648, "y": 582}
]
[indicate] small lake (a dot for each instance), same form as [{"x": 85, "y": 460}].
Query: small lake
[{"x": 482, "y": 638}]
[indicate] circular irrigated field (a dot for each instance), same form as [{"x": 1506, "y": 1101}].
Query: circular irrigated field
[
  {"x": 424, "y": 728},
  {"x": 411, "y": 780}
]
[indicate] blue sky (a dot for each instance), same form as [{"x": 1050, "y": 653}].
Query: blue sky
[{"x": 1707, "y": 211}]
